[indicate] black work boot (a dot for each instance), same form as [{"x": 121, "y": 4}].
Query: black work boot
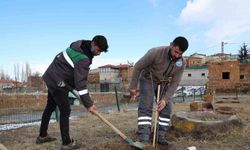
[
  {"x": 71, "y": 146},
  {"x": 143, "y": 138},
  {"x": 41, "y": 140}
]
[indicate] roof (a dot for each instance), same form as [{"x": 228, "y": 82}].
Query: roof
[
  {"x": 121, "y": 66},
  {"x": 194, "y": 57},
  {"x": 197, "y": 54},
  {"x": 109, "y": 66},
  {"x": 221, "y": 54},
  {"x": 198, "y": 67},
  {"x": 8, "y": 81}
]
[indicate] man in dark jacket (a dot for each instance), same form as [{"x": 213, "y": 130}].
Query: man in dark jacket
[
  {"x": 161, "y": 65},
  {"x": 70, "y": 66}
]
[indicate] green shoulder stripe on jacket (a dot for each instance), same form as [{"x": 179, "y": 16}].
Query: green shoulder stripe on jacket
[{"x": 75, "y": 56}]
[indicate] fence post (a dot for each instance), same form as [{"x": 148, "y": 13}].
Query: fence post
[
  {"x": 117, "y": 101},
  {"x": 182, "y": 93},
  {"x": 194, "y": 94},
  {"x": 201, "y": 93}
]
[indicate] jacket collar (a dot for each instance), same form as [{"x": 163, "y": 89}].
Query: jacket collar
[{"x": 86, "y": 47}]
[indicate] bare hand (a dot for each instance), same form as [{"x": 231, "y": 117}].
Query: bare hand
[
  {"x": 92, "y": 109},
  {"x": 133, "y": 93},
  {"x": 161, "y": 105}
]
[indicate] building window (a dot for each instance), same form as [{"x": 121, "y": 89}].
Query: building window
[
  {"x": 203, "y": 74},
  {"x": 242, "y": 76},
  {"x": 189, "y": 75},
  {"x": 225, "y": 75}
]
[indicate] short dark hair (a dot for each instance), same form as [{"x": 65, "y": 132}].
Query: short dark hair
[
  {"x": 182, "y": 42},
  {"x": 101, "y": 42}
]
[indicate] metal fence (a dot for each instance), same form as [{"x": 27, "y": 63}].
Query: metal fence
[{"x": 21, "y": 113}]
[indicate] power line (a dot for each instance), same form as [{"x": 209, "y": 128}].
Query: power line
[
  {"x": 202, "y": 50},
  {"x": 218, "y": 46},
  {"x": 239, "y": 43}
]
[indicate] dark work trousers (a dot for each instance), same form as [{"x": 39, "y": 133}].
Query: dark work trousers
[
  {"x": 57, "y": 97},
  {"x": 146, "y": 98}
]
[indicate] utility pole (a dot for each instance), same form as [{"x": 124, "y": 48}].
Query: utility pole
[{"x": 222, "y": 47}]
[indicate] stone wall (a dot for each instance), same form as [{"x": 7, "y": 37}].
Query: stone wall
[
  {"x": 22, "y": 100},
  {"x": 216, "y": 69}
]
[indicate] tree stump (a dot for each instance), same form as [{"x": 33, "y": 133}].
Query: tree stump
[{"x": 206, "y": 122}]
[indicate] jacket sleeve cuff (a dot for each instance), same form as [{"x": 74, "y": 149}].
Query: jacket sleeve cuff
[
  {"x": 168, "y": 99},
  {"x": 86, "y": 100}
]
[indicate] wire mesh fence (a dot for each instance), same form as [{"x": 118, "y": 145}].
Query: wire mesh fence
[{"x": 28, "y": 107}]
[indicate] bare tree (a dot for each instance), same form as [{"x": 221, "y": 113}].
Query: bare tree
[
  {"x": 23, "y": 74},
  {"x": 7, "y": 77},
  {"x": 17, "y": 75},
  {"x": 16, "y": 72},
  {"x": 27, "y": 71},
  {"x": 4, "y": 75},
  {"x": 1, "y": 74}
]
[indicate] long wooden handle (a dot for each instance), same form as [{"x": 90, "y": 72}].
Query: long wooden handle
[
  {"x": 99, "y": 115},
  {"x": 156, "y": 115},
  {"x": 2, "y": 147},
  {"x": 109, "y": 124},
  {"x": 104, "y": 120}
]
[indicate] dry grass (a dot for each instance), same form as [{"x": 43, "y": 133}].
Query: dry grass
[{"x": 93, "y": 134}]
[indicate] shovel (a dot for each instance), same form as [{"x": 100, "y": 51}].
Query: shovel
[
  {"x": 123, "y": 136},
  {"x": 156, "y": 117},
  {"x": 2, "y": 147}
]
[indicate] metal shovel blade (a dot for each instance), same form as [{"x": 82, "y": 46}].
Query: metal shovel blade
[
  {"x": 135, "y": 144},
  {"x": 123, "y": 136}
]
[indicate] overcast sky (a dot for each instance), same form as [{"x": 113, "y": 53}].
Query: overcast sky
[{"x": 35, "y": 31}]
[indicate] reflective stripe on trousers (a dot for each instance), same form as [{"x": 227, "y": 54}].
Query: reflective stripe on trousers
[{"x": 146, "y": 100}]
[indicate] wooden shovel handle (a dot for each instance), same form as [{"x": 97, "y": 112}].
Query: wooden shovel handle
[
  {"x": 99, "y": 115},
  {"x": 156, "y": 115},
  {"x": 110, "y": 125},
  {"x": 2, "y": 147}
]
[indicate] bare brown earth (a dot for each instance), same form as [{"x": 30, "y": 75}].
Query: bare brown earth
[{"x": 92, "y": 134}]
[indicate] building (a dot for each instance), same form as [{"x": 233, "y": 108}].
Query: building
[
  {"x": 196, "y": 71},
  {"x": 195, "y": 76},
  {"x": 35, "y": 83},
  {"x": 9, "y": 85},
  {"x": 194, "y": 61},
  {"x": 109, "y": 77},
  {"x": 125, "y": 74},
  {"x": 228, "y": 76},
  {"x": 244, "y": 77},
  {"x": 109, "y": 74},
  {"x": 198, "y": 55},
  {"x": 93, "y": 78},
  {"x": 220, "y": 57},
  {"x": 114, "y": 75}
]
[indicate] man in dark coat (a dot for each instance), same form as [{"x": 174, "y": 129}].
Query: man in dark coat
[{"x": 72, "y": 67}]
